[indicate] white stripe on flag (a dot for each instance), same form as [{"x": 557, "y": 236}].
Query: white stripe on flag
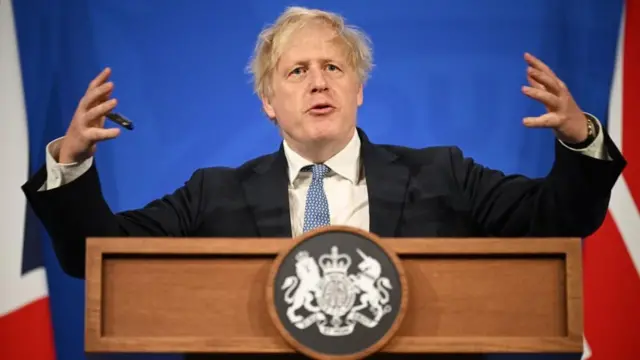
[
  {"x": 622, "y": 206},
  {"x": 17, "y": 290},
  {"x": 626, "y": 217}
]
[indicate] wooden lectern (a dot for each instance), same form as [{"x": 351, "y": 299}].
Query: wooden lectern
[{"x": 208, "y": 295}]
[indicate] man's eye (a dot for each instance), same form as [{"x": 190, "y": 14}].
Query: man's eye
[
  {"x": 297, "y": 71},
  {"x": 332, "y": 67}
]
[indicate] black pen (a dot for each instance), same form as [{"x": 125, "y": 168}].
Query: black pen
[{"x": 120, "y": 120}]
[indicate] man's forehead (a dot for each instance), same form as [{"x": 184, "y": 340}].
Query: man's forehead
[{"x": 311, "y": 42}]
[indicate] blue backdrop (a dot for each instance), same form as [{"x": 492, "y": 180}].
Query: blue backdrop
[{"x": 446, "y": 73}]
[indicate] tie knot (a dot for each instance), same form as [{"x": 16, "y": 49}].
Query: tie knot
[{"x": 318, "y": 170}]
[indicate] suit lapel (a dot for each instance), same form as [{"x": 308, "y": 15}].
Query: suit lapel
[
  {"x": 387, "y": 183},
  {"x": 267, "y": 195}
]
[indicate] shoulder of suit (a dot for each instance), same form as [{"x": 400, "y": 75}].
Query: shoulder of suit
[
  {"x": 423, "y": 154},
  {"x": 244, "y": 169}
]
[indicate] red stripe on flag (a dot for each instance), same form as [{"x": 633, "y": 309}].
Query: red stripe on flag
[
  {"x": 611, "y": 279},
  {"x": 26, "y": 333},
  {"x": 631, "y": 98},
  {"x": 612, "y": 295}
]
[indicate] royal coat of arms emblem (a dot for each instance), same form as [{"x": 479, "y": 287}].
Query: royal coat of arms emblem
[{"x": 335, "y": 299}]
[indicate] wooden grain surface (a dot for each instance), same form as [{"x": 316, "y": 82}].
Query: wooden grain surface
[{"x": 208, "y": 295}]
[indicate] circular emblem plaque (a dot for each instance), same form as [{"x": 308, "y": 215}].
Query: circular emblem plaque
[{"x": 337, "y": 293}]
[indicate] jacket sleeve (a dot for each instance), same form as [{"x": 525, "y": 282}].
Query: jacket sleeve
[
  {"x": 72, "y": 212},
  {"x": 572, "y": 200}
]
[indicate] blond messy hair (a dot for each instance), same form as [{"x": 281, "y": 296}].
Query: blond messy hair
[{"x": 271, "y": 41}]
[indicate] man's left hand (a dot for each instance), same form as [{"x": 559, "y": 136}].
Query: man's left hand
[{"x": 563, "y": 114}]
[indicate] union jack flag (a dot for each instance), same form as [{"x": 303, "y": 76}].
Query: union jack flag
[
  {"x": 25, "y": 321},
  {"x": 612, "y": 254}
]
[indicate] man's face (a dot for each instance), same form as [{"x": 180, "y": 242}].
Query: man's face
[{"x": 316, "y": 93}]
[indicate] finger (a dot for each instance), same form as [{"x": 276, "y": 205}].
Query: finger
[
  {"x": 534, "y": 83},
  {"x": 543, "y": 121},
  {"x": 550, "y": 83},
  {"x": 102, "y": 97},
  {"x": 100, "y": 79},
  {"x": 96, "y": 96},
  {"x": 538, "y": 64},
  {"x": 99, "y": 134},
  {"x": 545, "y": 97},
  {"x": 98, "y": 111}
]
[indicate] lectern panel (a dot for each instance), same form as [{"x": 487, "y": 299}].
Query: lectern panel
[
  {"x": 462, "y": 296},
  {"x": 209, "y": 295},
  {"x": 185, "y": 296}
]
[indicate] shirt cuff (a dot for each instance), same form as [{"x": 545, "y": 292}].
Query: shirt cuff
[
  {"x": 597, "y": 148},
  {"x": 62, "y": 174}
]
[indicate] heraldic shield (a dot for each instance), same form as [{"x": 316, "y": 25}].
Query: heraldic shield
[{"x": 337, "y": 293}]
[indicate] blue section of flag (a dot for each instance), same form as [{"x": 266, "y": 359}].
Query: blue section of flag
[{"x": 446, "y": 73}]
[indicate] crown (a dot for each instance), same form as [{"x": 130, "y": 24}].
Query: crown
[
  {"x": 334, "y": 262},
  {"x": 301, "y": 255}
]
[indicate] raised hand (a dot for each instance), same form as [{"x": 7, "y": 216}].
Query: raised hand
[
  {"x": 87, "y": 125},
  {"x": 563, "y": 115}
]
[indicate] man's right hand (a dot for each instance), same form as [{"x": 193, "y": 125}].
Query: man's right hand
[{"x": 87, "y": 126}]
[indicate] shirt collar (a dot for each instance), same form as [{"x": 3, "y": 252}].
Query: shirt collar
[{"x": 345, "y": 163}]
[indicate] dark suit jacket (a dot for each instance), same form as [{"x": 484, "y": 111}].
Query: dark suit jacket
[{"x": 425, "y": 192}]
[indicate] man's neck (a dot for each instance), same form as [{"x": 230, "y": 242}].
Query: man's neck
[{"x": 321, "y": 151}]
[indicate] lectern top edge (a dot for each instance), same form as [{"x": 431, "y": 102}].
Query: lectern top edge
[{"x": 272, "y": 246}]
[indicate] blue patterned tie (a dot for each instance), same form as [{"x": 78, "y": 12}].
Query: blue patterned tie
[{"x": 316, "y": 212}]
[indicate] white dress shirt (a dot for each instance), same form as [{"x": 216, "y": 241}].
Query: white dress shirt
[{"x": 345, "y": 184}]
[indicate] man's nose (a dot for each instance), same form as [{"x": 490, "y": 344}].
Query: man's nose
[{"x": 318, "y": 80}]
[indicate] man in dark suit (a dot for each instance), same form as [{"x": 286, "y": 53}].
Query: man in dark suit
[{"x": 310, "y": 71}]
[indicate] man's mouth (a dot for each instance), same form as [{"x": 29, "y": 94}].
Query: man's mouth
[{"x": 321, "y": 109}]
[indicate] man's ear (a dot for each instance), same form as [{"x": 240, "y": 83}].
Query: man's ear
[
  {"x": 266, "y": 106},
  {"x": 360, "y": 95}
]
